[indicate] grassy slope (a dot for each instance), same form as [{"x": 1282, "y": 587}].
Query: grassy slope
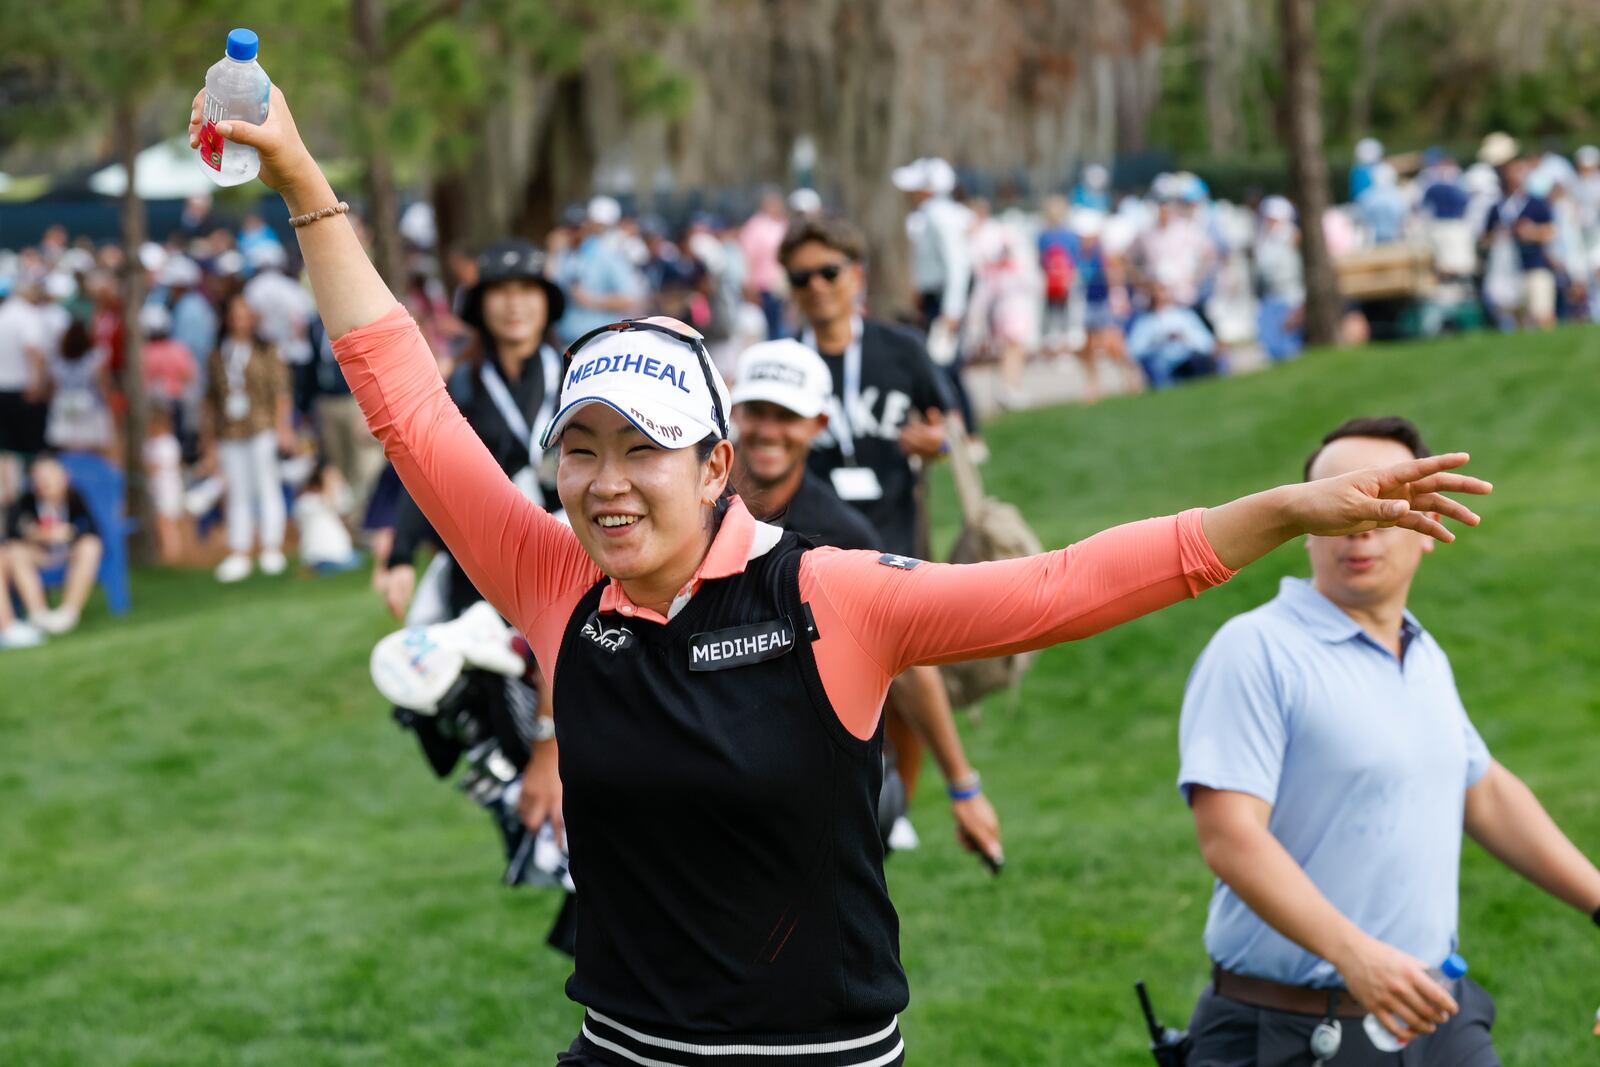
[{"x": 217, "y": 850}]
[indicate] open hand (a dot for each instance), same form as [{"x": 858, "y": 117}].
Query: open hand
[
  {"x": 284, "y": 157},
  {"x": 1406, "y": 494}
]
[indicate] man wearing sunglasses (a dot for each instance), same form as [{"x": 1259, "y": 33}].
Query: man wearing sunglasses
[{"x": 888, "y": 407}]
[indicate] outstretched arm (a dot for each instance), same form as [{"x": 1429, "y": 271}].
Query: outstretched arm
[
  {"x": 942, "y": 613},
  {"x": 1506, "y": 818}
]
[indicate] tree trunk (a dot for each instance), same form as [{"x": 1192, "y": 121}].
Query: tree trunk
[
  {"x": 383, "y": 201},
  {"x": 138, "y": 503},
  {"x": 1301, "y": 122}
]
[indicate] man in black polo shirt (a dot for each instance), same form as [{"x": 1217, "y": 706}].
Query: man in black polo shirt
[
  {"x": 888, "y": 409},
  {"x": 779, "y": 399}
]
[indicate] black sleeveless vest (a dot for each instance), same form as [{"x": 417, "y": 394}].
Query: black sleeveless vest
[{"x": 721, "y": 820}]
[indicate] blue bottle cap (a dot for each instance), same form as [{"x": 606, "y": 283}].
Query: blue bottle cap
[
  {"x": 243, "y": 44},
  {"x": 1454, "y": 966}
]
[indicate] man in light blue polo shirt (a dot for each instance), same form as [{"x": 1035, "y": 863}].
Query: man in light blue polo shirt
[{"x": 1331, "y": 768}]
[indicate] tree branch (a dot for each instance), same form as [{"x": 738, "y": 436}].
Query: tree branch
[{"x": 399, "y": 42}]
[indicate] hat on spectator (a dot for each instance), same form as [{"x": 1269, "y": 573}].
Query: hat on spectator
[
  {"x": 659, "y": 383},
  {"x": 179, "y": 272},
  {"x": 60, "y": 286},
  {"x": 1095, "y": 176},
  {"x": 911, "y": 178},
  {"x": 267, "y": 254},
  {"x": 941, "y": 176},
  {"x": 604, "y": 211},
  {"x": 1587, "y": 156},
  {"x": 155, "y": 320},
  {"x": 1277, "y": 208},
  {"x": 1497, "y": 148},
  {"x": 785, "y": 373},
  {"x": 506, "y": 261},
  {"x": 77, "y": 260},
  {"x": 1481, "y": 180},
  {"x": 229, "y": 263},
  {"x": 1369, "y": 150},
  {"x": 805, "y": 201},
  {"x": 152, "y": 256}
]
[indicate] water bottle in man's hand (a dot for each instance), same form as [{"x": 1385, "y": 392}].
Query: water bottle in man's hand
[
  {"x": 1381, "y": 1037},
  {"x": 236, "y": 88}
]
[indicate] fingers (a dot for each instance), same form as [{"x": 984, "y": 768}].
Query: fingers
[
  {"x": 1452, "y": 483},
  {"x": 1416, "y": 469},
  {"x": 559, "y": 824},
  {"x": 1424, "y": 523},
  {"x": 1450, "y": 509},
  {"x": 194, "y": 118}
]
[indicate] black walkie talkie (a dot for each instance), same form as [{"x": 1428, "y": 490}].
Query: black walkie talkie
[{"x": 1170, "y": 1047}]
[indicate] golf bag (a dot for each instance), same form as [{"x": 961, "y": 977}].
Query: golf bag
[{"x": 464, "y": 689}]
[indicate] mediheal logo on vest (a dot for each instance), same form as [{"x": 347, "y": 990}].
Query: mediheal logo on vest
[
  {"x": 649, "y": 366},
  {"x": 740, "y": 645}
]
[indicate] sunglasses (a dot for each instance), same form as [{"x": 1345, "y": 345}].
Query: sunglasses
[
  {"x": 695, "y": 342},
  {"x": 799, "y": 279}
]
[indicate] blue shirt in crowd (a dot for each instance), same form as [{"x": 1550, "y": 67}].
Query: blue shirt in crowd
[
  {"x": 1365, "y": 759},
  {"x": 601, "y": 268},
  {"x": 1170, "y": 336},
  {"x": 1445, "y": 200}
]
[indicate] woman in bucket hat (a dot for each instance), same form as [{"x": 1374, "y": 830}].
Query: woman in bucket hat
[{"x": 718, "y": 684}]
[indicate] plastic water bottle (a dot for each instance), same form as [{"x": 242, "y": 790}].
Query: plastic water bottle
[
  {"x": 236, "y": 88},
  {"x": 1382, "y": 1039}
]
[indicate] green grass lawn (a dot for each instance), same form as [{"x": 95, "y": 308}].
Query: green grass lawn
[{"x": 216, "y": 849}]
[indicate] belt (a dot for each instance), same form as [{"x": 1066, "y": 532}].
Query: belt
[{"x": 1294, "y": 999}]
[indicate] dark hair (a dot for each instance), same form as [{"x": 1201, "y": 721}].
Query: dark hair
[
  {"x": 830, "y": 230},
  {"x": 1386, "y": 427},
  {"x": 76, "y": 342}
]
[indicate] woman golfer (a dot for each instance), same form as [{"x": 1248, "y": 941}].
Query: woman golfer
[{"x": 717, "y": 684}]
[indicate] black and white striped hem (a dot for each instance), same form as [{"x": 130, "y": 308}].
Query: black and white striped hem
[{"x": 875, "y": 1046}]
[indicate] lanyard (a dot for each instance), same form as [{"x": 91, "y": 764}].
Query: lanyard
[
  {"x": 518, "y": 422},
  {"x": 852, "y": 389},
  {"x": 236, "y": 357}
]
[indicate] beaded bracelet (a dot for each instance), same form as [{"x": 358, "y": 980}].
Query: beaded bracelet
[{"x": 312, "y": 216}]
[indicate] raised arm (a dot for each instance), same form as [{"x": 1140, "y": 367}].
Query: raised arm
[{"x": 521, "y": 558}]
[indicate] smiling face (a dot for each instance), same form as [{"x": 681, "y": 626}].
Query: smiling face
[
  {"x": 773, "y": 441},
  {"x": 1374, "y": 568},
  {"x": 516, "y": 311},
  {"x": 821, "y": 300},
  {"x": 640, "y": 511}
]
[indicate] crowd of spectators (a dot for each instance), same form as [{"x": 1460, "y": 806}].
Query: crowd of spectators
[{"x": 255, "y": 445}]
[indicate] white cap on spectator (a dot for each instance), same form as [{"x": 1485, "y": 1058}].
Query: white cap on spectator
[
  {"x": 266, "y": 254},
  {"x": 229, "y": 263},
  {"x": 785, "y": 373},
  {"x": 652, "y": 380},
  {"x": 604, "y": 211},
  {"x": 1497, "y": 148},
  {"x": 1384, "y": 175},
  {"x": 911, "y": 178},
  {"x": 1278, "y": 209},
  {"x": 152, "y": 256},
  {"x": 1095, "y": 176},
  {"x": 77, "y": 260},
  {"x": 1369, "y": 150},
  {"x": 805, "y": 201},
  {"x": 1588, "y": 156},
  {"x": 941, "y": 176},
  {"x": 155, "y": 320},
  {"x": 1481, "y": 180},
  {"x": 179, "y": 272},
  {"x": 60, "y": 286}
]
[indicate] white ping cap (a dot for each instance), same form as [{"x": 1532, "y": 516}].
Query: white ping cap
[
  {"x": 654, "y": 380},
  {"x": 785, "y": 373}
]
